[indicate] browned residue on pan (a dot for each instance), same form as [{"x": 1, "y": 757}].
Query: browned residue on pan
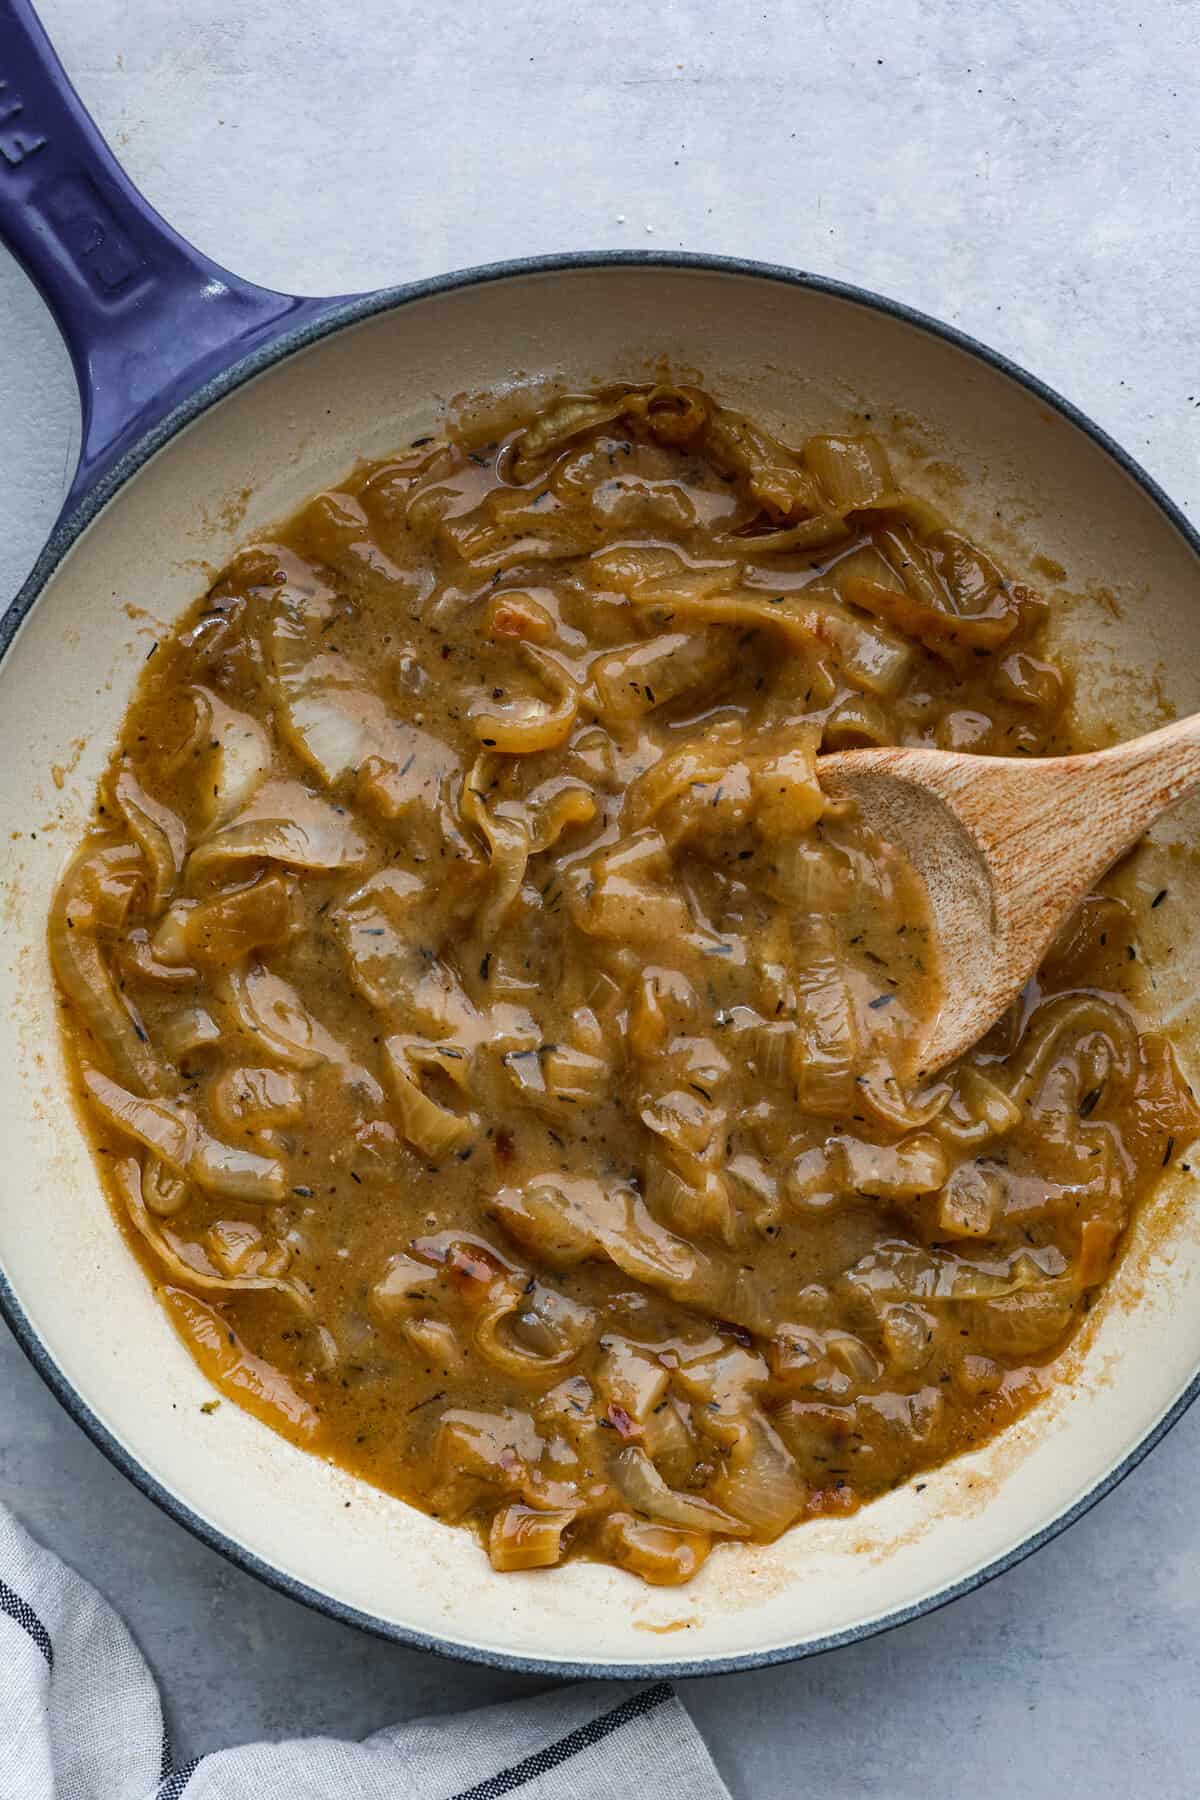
[{"x": 60, "y": 771}]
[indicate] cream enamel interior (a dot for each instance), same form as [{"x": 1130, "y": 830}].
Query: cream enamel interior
[{"x": 798, "y": 359}]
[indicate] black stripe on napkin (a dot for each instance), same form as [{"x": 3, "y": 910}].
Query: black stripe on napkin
[
  {"x": 27, "y": 1619},
  {"x": 542, "y": 1761},
  {"x": 177, "y": 1780}
]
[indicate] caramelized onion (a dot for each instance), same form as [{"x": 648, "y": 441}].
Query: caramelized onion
[
  {"x": 761, "y": 1484},
  {"x": 83, "y": 973},
  {"x": 273, "y": 1015},
  {"x": 527, "y": 1329},
  {"x": 526, "y": 1537},
  {"x": 159, "y": 834},
  {"x": 433, "y": 1129},
  {"x": 170, "y": 1131},
  {"x": 284, "y": 823},
  {"x": 520, "y": 726},
  {"x": 557, "y": 425},
  {"x": 128, "y": 1175},
  {"x": 507, "y": 842},
  {"x": 661, "y": 1555},
  {"x": 647, "y": 1492},
  {"x": 254, "y": 1383}
]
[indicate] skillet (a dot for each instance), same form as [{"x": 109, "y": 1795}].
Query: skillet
[{"x": 211, "y": 407}]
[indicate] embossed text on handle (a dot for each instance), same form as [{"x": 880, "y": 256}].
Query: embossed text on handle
[{"x": 16, "y": 143}]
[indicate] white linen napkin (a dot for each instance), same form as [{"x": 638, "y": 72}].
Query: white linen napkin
[{"x": 80, "y": 1719}]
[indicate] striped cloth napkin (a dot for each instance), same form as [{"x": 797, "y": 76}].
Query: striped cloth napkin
[{"x": 80, "y": 1719}]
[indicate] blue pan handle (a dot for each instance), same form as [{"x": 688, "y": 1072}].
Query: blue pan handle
[{"x": 146, "y": 317}]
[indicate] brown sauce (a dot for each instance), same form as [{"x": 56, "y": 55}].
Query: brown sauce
[{"x": 504, "y": 1058}]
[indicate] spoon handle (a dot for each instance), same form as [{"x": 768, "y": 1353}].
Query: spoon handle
[
  {"x": 1053, "y": 826},
  {"x": 1140, "y": 779}
]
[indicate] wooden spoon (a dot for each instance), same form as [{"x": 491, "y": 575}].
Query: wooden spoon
[{"x": 1007, "y": 848}]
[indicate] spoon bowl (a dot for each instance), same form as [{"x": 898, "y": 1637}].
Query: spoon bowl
[{"x": 1007, "y": 847}]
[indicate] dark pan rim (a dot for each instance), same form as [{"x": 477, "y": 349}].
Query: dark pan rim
[{"x": 65, "y": 535}]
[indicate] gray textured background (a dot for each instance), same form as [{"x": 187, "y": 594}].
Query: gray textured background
[{"x": 1027, "y": 170}]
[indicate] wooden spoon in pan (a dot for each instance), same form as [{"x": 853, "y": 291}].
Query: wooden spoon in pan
[{"x": 1007, "y": 848}]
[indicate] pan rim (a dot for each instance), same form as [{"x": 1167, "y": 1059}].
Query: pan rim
[{"x": 67, "y": 532}]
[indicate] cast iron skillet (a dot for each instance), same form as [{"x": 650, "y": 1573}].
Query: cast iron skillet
[{"x": 210, "y": 407}]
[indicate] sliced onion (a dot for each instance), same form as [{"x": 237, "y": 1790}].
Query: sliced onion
[
  {"x": 642, "y": 676},
  {"x": 128, "y": 1177},
  {"x": 137, "y": 953},
  {"x": 238, "y": 755},
  {"x": 677, "y": 415},
  {"x": 232, "y": 1242},
  {"x": 908, "y": 1334},
  {"x": 1072, "y": 1016},
  {"x": 631, "y": 1377},
  {"x": 164, "y": 1192},
  {"x": 873, "y": 656},
  {"x": 496, "y": 1448},
  {"x": 285, "y": 823},
  {"x": 83, "y": 972},
  {"x": 700, "y": 764},
  {"x": 897, "y": 1270},
  {"x": 191, "y": 1029},
  {"x": 386, "y": 927},
  {"x": 170, "y": 1132},
  {"x": 657, "y": 576},
  {"x": 761, "y": 1484},
  {"x": 853, "y": 472},
  {"x": 159, "y": 834},
  {"x": 430, "y": 1128},
  {"x": 882, "y": 1096},
  {"x": 566, "y": 1219},
  {"x": 334, "y": 719},
  {"x": 856, "y": 722},
  {"x": 770, "y": 471},
  {"x": 169, "y": 943},
  {"x": 559, "y": 423},
  {"x": 916, "y": 1165},
  {"x": 436, "y": 1342},
  {"x": 622, "y": 893},
  {"x": 1027, "y": 1323},
  {"x": 563, "y": 1324},
  {"x": 820, "y": 532},
  {"x": 787, "y": 797},
  {"x": 659, "y": 1554},
  {"x": 644, "y": 1488},
  {"x": 520, "y": 725},
  {"x": 527, "y": 1537},
  {"x": 274, "y": 1015},
  {"x": 954, "y": 638},
  {"x": 554, "y": 808},
  {"x": 507, "y": 841},
  {"x": 404, "y": 1281},
  {"x": 236, "y": 1173},
  {"x": 241, "y": 1097},
  {"x": 853, "y": 1358},
  {"x": 825, "y": 1049},
  {"x": 969, "y": 1201},
  {"x": 690, "y": 1192},
  {"x": 255, "y": 1384},
  {"x": 226, "y": 929}
]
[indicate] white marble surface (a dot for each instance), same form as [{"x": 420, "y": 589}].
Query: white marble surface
[{"x": 1026, "y": 169}]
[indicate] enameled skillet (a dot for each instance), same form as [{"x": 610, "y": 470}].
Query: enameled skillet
[{"x": 211, "y": 407}]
